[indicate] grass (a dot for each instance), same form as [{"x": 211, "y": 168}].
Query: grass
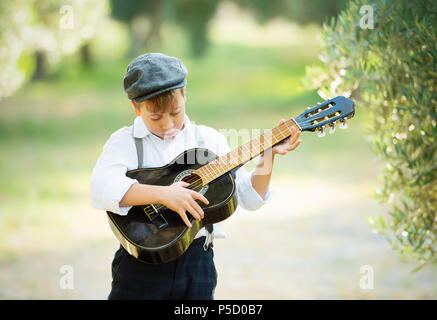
[{"x": 53, "y": 131}]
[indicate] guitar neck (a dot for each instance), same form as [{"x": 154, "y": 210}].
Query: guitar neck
[{"x": 245, "y": 152}]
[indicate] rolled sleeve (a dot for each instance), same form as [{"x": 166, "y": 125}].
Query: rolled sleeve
[
  {"x": 247, "y": 196},
  {"x": 109, "y": 182}
]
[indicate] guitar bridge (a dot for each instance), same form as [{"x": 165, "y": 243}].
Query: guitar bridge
[{"x": 155, "y": 217}]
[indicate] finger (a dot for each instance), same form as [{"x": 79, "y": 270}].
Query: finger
[
  {"x": 294, "y": 136},
  {"x": 198, "y": 209},
  {"x": 296, "y": 133},
  {"x": 193, "y": 212},
  {"x": 184, "y": 184},
  {"x": 281, "y": 121},
  {"x": 200, "y": 197},
  {"x": 184, "y": 217},
  {"x": 294, "y": 145}
]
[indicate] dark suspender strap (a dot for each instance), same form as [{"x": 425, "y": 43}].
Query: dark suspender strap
[{"x": 139, "y": 145}]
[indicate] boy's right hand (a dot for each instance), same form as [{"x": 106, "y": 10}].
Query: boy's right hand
[{"x": 180, "y": 199}]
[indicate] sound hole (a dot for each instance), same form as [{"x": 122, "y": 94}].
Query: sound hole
[{"x": 193, "y": 179}]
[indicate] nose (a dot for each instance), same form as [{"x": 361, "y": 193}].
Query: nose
[{"x": 167, "y": 123}]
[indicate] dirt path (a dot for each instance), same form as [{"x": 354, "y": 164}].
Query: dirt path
[{"x": 292, "y": 248}]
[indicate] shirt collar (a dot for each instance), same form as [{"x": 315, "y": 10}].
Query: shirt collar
[{"x": 141, "y": 130}]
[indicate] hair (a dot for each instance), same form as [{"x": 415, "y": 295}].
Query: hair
[{"x": 161, "y": 102}]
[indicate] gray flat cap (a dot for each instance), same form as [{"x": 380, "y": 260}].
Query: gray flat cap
[{"x": 151, "y": 74}]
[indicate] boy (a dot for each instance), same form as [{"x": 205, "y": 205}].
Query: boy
[{"x": 155, "y": 84}]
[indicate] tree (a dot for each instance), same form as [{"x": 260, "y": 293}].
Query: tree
[
  {"x": 299, "y": 11},
  {"x": 129, "y": 11},
  {"x": 194, "y": 16},
  {"x": 34, "y": 34},
  {"x": 383, "y": 54}
]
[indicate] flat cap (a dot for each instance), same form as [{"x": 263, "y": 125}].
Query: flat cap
[{"x": 151, "y": 74}]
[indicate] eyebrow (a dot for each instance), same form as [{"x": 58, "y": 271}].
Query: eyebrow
[{"x": 160, "y": 113}]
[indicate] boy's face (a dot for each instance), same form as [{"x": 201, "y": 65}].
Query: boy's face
[{"x": 165, "y": 125}]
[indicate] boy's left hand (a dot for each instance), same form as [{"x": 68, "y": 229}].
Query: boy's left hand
[{"x": 288, "y": 144}]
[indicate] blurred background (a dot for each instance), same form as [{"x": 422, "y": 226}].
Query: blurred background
[{"x": 61, "y": 96}]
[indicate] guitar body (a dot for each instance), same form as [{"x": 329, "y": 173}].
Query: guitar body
[{"x": 167, "y": 237}]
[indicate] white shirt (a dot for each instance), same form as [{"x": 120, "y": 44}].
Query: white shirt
[{"x": 109, "y": 182}]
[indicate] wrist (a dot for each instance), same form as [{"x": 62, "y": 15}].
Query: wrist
[
  {"x": 161, "y": 194},
  {"x": 266, "y": 159},
  {"x": 156, "y": 194}
]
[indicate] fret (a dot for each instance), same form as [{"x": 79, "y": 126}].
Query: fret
[
  {"x": 215, "y": 167},
  {"x": 288, "y": 127},
  {"x": 281, "y": 133},
  {"x": 209, "y": 172},
  {"x": 209, "y": 165},
  {"x": 211, "y": 168},
  {"x": 202, "y": 172},
  {"x": 284, "y": 130},
  {"x": 273, "y": 136},
  {"x": 260, "y": 143},
  {"x": 218, "y": 167},
  {"x": 205, "y": 172},
  {"x": 222, "y": 161},
  {"x": 248, "y": 152},
  {"x": 233, "y": 160},
  {"x": 245, "y": 152},
  {"x": 228, "y": 161},
  {"x": 296, "y": 125},
  {"x": 238, "y": 157},
  {"x": 258, "y": 149},
  {"x": 268, "y": 141}
]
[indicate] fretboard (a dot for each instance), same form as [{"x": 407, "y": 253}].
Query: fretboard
[{"x": 245, "y": 152}]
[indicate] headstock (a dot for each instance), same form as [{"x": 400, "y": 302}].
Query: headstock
[{"x": 327, "y": 114}]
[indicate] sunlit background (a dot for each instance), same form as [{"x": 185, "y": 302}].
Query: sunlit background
[{"x": 62, "y": 96}]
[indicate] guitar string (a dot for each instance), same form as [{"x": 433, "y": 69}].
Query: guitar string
[{"x": 196, "y": 182}]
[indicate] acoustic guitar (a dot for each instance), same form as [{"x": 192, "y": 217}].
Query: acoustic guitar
[{"x": 155, "y": 234}]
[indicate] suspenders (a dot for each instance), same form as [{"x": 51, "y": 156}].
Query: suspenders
[
  {"x": 139, "y": 145},
  {"x": 200, "y": 144}
]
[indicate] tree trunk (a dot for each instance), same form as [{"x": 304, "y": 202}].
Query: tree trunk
[{"x": 40, "y": 69}]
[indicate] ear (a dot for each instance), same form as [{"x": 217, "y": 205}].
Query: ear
[{"x": 135, "y": 108}]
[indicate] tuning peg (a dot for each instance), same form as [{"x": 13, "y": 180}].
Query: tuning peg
[
  {"x": 332, "y": 128},
  {"x": 321, "y": 132},
  {"x": 343, "y": 124}
]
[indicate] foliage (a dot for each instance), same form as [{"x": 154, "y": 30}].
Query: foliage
[
  {"x": 299, "y": 11},
  {"x": 48, "y": 27},
  {"x": 194, "y": 15},
  {"x": 390, "y": 70}
]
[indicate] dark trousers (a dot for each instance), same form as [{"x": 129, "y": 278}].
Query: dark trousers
[{"x": 192, "y": 276}]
